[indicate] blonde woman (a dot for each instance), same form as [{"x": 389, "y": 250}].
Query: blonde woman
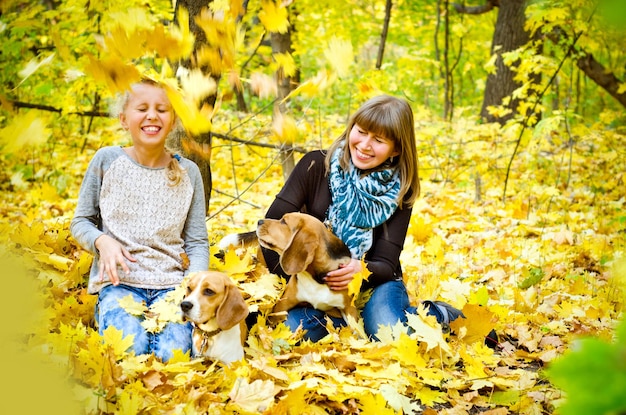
[{"x": 141, "y": 212}]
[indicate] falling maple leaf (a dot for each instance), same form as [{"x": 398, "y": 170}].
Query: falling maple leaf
[
  {"x": 33, "y": 66},
  {"x": 274, "y": 16},
  {"x": 284, "y": 128},
  {"x": 196, "y": 85},
  {"x": 115, "y": 73},
  {"x": 24, "y": 130},
  {"x": 285, "y": 63},
  {"x": 340, "y": 56},
  {"x": 264, "y": 86},
  {"x": 195, "y": 120},
  {"x": 312, "y": 87}
]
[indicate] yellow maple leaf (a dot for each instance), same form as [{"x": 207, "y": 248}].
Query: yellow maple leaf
[
  {"x": 354, "y": 287},
  {"x": 173, "y": 43},
  {"x": 167, "y": 309},
  {"x": 434, "y": 247},
  {"x": 264, "y": 86},
  {"x": 126, "y": 45},
  {"x": 292, "y": 399},
  {"x": 235, "y": 265},
  {"x": 286, "y": 63},
  {"x": 420, "y": 228},
  {"x": 455, "y": 291},
  {"x": 478, "y": 322},
  {"x": 431, "y": 335},
  {"x": 131, "y": 306},
  {"x": 59, "y": 262},
  {"x": 479, "y": 296},
  {"x": 408, "y": 353},
  {"x": 253, "y": 397},
  {"x": 196, "y": 85},
  {"x": 399, "y": 402},
  {"x": 429, "y": 396},
  {"x": 115, "y": 338},
  {"x": 340, "y": 56},
  {"x": 32, "y": 66},
  {"x": 312, "y": 87},
  {"x": 274, "y": 16},
  {"x": 131, "y": 400},
  {"x": 267, "y": 287},
  {"x": 130, "y": 19},
  {"x": 194, "y": 120},
  {"x": 24, "y": 130},
  {"x": 117, "y": 75},
  {"x": 374, "y": 404},
  {"x": 284, "y": 128}
]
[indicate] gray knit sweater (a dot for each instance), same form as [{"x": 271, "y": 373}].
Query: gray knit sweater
[{"x": 155, "y": 221}]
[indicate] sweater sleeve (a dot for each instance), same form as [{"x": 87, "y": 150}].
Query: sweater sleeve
[
  {"x": 383, "y": 258},
  {"x": 86, "y": 225},
  {"x": 195, "y": 234}
]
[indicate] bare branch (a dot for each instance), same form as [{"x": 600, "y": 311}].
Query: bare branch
[
  {"x": 483, "y": 8},
  {"x": 20, "y": 104}
]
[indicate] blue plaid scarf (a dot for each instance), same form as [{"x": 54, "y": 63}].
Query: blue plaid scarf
[{"x": 359, "y": 204}]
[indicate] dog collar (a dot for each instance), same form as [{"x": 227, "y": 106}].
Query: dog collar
[{"x": 206, "y": 337}]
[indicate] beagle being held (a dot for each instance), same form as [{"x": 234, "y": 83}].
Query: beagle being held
[
  {"x": 217, "y": 311},
  {"x": 308, "y": 250}
]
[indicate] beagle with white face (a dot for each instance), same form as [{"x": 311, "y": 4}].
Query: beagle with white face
[
  {"x": 218, "y": 311},
  {"x": 308, "y": 250}
]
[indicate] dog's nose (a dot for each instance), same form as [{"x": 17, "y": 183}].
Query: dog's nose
[
  {"x": 186, "y": 306},
  {"x": 260, "y": 222}
]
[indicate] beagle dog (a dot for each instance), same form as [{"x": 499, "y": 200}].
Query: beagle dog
[
  {"x": 217, "y": 310},
  {"x": 307, "y": 251}
]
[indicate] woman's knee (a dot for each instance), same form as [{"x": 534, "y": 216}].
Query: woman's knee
[
  {"x": 111, "y": 314},
  {"x": 174, "y": 336}
]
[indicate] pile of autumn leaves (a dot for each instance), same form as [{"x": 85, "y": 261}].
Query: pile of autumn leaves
[{"x": 537, "y": 268}]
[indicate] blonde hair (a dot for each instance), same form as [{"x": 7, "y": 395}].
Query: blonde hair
[
  {"x": 173, "y": 170},
  {"x": 392, "y": 118}
]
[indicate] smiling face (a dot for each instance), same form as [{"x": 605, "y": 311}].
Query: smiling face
[
  {"x": 148, "y": 115},
  {"x": 369, "y": 150}
]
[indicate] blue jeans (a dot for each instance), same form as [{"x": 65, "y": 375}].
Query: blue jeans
[
  {"x": 388, "y": 304},
  {"x": 110, "y": 313}
]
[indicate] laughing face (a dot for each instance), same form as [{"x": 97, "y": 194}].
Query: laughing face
[
  {"x": 148, "y": 115},
  {"x": 368, "y": 150}
]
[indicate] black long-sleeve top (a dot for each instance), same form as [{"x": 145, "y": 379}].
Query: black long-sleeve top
[{"x": 307, "y": 190}]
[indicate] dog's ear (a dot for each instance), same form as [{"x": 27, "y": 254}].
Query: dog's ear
[
  {"x": 233, "y": 308},
  {"x": 300, "y": 252}
]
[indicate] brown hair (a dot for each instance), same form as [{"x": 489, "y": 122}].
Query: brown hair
[{"x": 392, "y": 118}]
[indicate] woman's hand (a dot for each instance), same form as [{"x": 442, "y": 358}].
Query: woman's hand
[
  {"x": 112, "y": 253},
  {"x": 341, "y": 277}
]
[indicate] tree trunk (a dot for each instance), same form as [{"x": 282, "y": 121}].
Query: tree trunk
[
  {"x": 383, "y": 35},
  {"x": 203, "y": 141},
  {"x": 509, "y": 35},
  {"x": 281, "y": 43}
]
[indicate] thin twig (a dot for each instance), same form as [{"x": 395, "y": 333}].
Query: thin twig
[{"x": 532, "y": 111}]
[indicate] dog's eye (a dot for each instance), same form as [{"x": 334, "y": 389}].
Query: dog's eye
[
  {"x": 208, "y": 292},
  {"x": 188, "y": 289}
]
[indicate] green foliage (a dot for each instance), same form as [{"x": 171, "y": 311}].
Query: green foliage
[{"x": 593, "y": 376}]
